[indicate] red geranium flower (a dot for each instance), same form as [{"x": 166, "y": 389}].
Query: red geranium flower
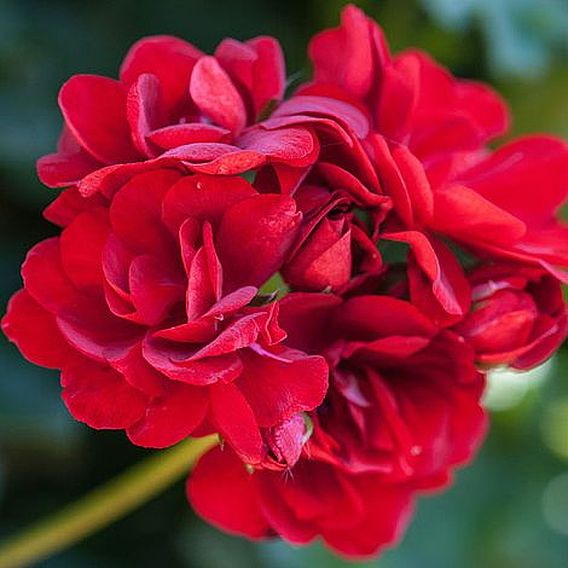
[
  {"x": 426, "y": 141},
  {"x": 401, "y": 412},
  {"x": 174, "y": 106},
  {"x": 145, "y": 306},
  {"x": 191, "y": 185}
]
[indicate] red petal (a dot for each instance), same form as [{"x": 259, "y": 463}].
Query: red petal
[
  {"x": 345, "y": 113},
  {"x": 81, "y": 246},
  {"x": 143, "y": 232},
  {"x": 35, "y": 332},
  {"x": 63, "y": 170},
  {"x": 509, "y": 176},
  {"x": 170, "y": 418},
  {"x": 170, "y": 59},
  {"x": 95, "y": 111},
  {"x": 216, "y": 96},
  {"x": 68, "y": 204},
  {"x": 392, "y": 504},
  {"x": 222, "y": 491},
  {"x": 269, "y": 79},
  {"x": 236, "y": 422},
  {"x": 100, "y": 397},
  {"x": 344, "y": 55},
  {"x": 144, "y": 110},
  {"x": 265, "y": 224},
  {"x": 204, "y": 198},
  {"x": 467, "y": 215},
  {"x": 449, "y": 286},
  {"x": 280, "y": 384},
  {"x": 176, "y": 135},
  {"x": 174, "y": 361}
]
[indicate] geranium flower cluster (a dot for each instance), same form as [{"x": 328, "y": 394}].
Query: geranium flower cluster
[{"x": 323, "y": 280}]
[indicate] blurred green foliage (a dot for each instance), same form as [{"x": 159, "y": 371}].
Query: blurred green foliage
[{"x": 510, "y": 509}]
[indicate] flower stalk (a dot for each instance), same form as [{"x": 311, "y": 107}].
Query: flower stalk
[{"x": 104, "y": 505}]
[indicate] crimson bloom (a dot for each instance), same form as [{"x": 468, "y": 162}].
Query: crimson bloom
[
  {"x": 174, "y": 106},
  {"x": 401, "y": 412},
  {"x": 192, "y": 187},
  {"x": 427, "y": 141},
  {"x": 149, "y": 316}
]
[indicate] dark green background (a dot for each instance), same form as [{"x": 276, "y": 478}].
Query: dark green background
[{"x": 510, "y": 509}]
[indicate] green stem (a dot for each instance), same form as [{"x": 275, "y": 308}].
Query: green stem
[{"x": 103, "y": 505}]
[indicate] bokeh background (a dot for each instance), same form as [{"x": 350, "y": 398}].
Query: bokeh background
[{"x": 509, "y": 509}]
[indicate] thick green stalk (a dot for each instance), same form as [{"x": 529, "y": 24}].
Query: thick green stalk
[{"x": 103, "y": 505}]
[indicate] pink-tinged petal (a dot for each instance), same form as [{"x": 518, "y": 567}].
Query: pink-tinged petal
[
  {"x": 81, "y": 246},
  {"x": 282, "y": 383},
  {"x": 466, "y": 215},
  {"x": 170, "y": 137},
  {"x": 449, "y": 286},
  {"x": 100, "y": 397},
  {"x": 257, "y": 66},
  {"x": 294, "y": 146},
  {"x": 144, "y": 111},
  {"x": 143, "y": 231},
  {"x": 224, "y": 493},
  {"x": 174, "y": 361},
  {"x": 237, "y": 59},
  {"x": 170, "y": 59},
  {"x": 94, "y": 109},
  {"x": 110, "y": 178},
  {"x": 237, "y": 335},
  {"x": 35, "y": 333},
  {"x": 265, "y": 224},
  {"x": 203, "y": 198},
  {"x": 373, "y": 317},
  {"x": 203, "y": 330},
  {"x": 269, "y": 76},
  {"x": 216, "y": 158},
  {"x": 329, "y": 126},
  {"x": 216, "y": 96},
  {"x": 234, "y": 301},
  {"x": 286, "y": 440},
  {"x": 63, "y": 170},
  {"x": 346, "y": 114},
  {"x": 68, "y": 205},
  {"x": 232, "y": 415},
  {"x": 170, "y": 418},
  {"x": 344, "y": 55},
  {"x": 508, "y": 178}
]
